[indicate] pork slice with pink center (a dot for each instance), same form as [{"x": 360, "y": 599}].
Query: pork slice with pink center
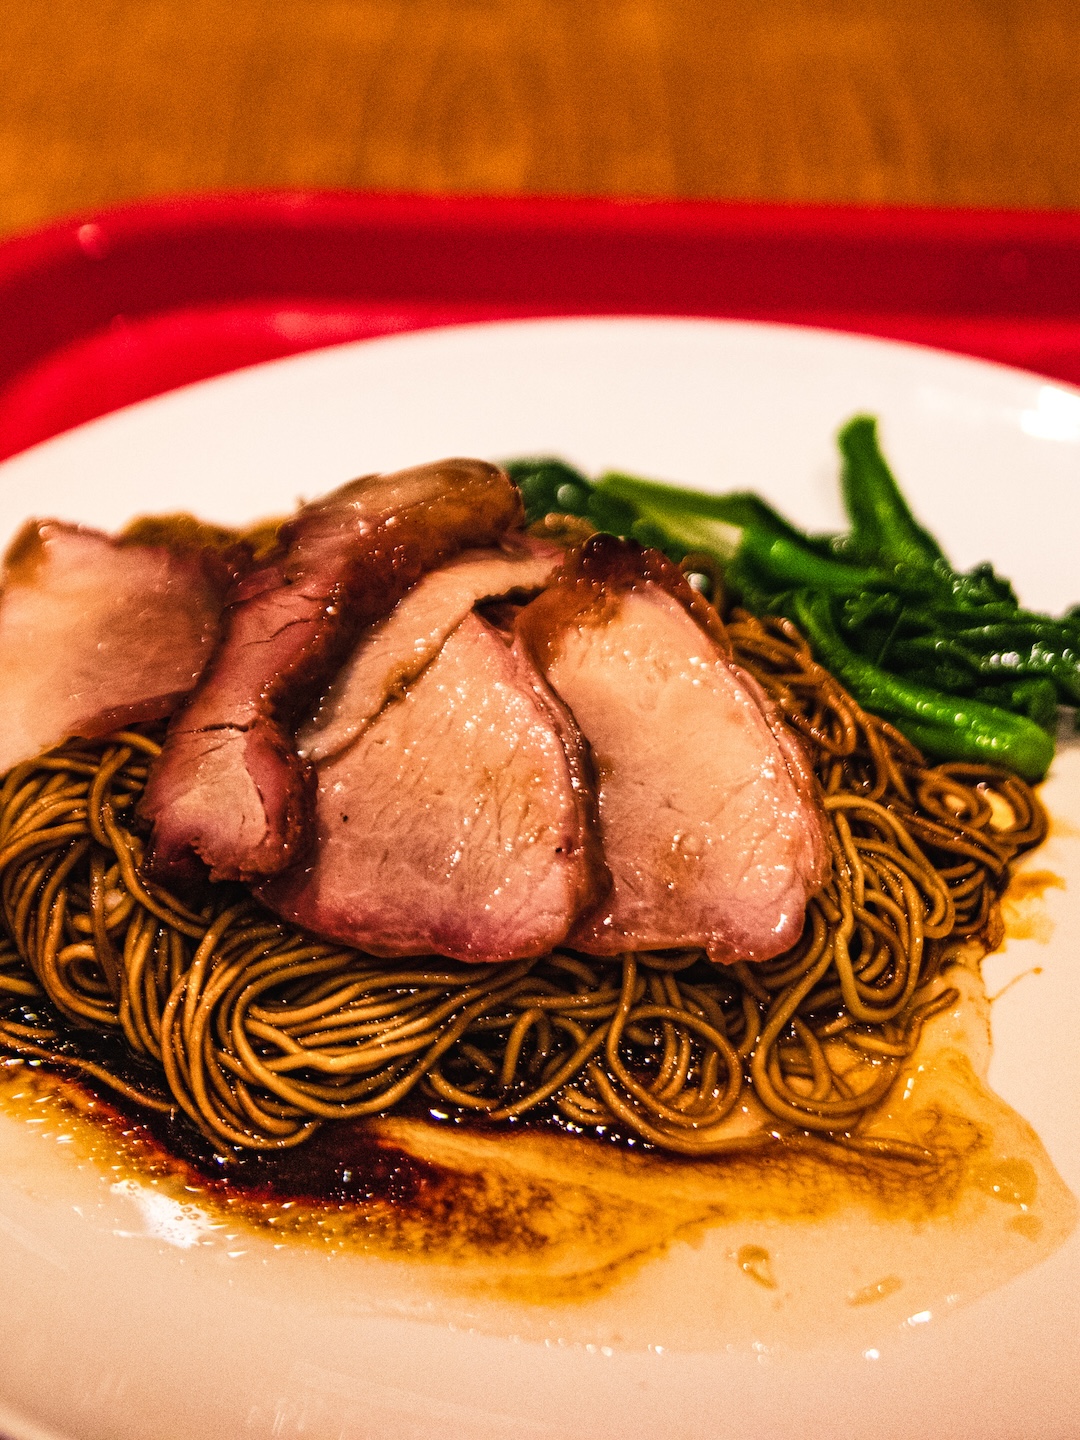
[
  {"x": 98, "y": 632},
  {"x": 230, "y": 793},
  {"x": 709, "y": 817},
  {"x": 394, "y": 651},
  {"x": 458, "y": 823}
]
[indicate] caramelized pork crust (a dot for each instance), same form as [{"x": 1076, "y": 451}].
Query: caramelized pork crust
[
  {"x": 709, "y": 818},
  {"x": 459, "y": 820},
  {"x": 97, "y": 633},
  {"x": 229, "y": 791}
]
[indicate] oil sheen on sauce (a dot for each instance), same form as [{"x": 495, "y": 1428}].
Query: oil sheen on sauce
[{"x": 535, "y": 1233}]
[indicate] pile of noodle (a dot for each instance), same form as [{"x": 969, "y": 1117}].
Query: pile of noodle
[{"x": 259, "y": 1033}]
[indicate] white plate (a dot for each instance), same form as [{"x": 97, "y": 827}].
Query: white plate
[{"x": 119, "y": 1320}]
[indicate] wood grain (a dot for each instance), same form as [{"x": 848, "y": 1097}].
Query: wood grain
[{"x": 968, "y": 102}]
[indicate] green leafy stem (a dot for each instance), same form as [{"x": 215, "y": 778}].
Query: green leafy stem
[{"x": 951, "y": 658}]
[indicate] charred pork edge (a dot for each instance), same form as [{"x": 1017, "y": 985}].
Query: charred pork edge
[{"x": 311, "y": 670}]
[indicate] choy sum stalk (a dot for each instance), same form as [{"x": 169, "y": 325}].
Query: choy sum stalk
[{"x": 950, "y": 658}]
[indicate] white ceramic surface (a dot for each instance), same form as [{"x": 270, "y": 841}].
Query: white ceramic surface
[{"x": 125, "y": 1322}]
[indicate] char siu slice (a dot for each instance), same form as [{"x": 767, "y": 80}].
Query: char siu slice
[
  {"x": 708, "y": 812},
  {"x": 459, "y": 822},
  {"x": 229, "y": 789},
  {"x": 396, "y": 649},
  {"x": 97, "y": 633}
]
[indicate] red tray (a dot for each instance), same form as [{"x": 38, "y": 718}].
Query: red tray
[{"x": 99, "y": 311}]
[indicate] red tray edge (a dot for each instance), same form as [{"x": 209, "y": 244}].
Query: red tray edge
[
  {"x": 622, "y": 214},
  {"x": 42, "y": 397}
]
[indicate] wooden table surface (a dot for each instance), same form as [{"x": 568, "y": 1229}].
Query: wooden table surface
[{"x": 942, "y": 102}]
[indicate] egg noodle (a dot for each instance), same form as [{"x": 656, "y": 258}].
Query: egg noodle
[{"x": 259, "y": 1032}]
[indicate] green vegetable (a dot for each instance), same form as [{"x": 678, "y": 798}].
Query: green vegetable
[
  {"x": 541, "y": 481},
  {"x": 740, "y": 529},
  {"x": 1037, "y": 699},
  {"x": 951, "y": 727},
  {"x": 950, "y": 658},
  {"x": 883, "y": 530},
  {"x": 707, "y": 522}
]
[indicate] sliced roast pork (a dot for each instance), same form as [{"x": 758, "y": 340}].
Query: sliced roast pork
[
  {"x": 458, "y": 822},
  {"x": 708, "y": 812},
  {"x": 396, "y": 649},
  {"x": 97, "y": 632},
  {"x": 230, "y": 791}
]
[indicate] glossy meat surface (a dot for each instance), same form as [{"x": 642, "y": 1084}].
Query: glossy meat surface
[
  {"x": 395, "y": 650},
  {"x": 459, "y": 822},
  {"x": 97, "y": 633},
  {"x": 229, "y": 791},
  {"x": 708, "y": 815}
]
